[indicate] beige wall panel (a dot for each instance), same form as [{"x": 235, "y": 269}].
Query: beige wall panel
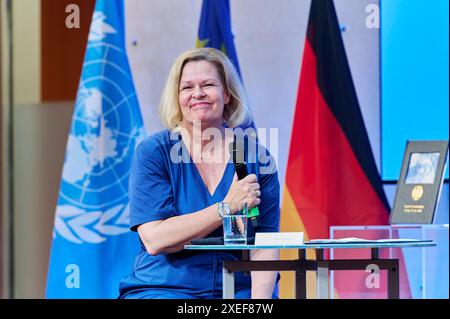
[
  {"x": 40, "y": 140},
  {"x": 26, "y": 51}
]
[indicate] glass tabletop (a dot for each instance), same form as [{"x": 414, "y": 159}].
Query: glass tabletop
[{"x": 370, "y": 244}]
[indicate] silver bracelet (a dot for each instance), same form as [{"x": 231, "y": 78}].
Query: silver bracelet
[
  {"x": 220, "y": 210},
  {"x": 223, "y": 209}
]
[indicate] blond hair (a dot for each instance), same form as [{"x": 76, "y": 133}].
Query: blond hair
[{"x": 235, "y": 113}]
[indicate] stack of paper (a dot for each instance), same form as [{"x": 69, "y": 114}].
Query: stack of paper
[{"x": 355, "y": 240}]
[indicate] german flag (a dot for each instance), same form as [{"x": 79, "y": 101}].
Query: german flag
[{"x": 331, "y": 176}]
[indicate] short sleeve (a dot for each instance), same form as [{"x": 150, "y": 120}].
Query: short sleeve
[
  {"x": 269, "y": 208},
  {"x": 150, "y": 189}
]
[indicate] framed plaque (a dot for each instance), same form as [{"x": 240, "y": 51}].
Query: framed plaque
[{"x": 420, "y": 182}]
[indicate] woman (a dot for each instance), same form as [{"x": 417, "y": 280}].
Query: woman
[{"x": 174, "y": 199}]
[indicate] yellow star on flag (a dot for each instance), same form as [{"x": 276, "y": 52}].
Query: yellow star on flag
[{"x": 201, "y": 43}]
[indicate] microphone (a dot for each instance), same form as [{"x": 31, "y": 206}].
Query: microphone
[{"x": 237, "y": 153}]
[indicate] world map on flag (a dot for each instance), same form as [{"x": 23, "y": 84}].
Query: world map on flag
[{"x": 93, "y": 197}]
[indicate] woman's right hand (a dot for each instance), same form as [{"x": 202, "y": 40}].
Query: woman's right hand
[{"x": 246, "y": 190}]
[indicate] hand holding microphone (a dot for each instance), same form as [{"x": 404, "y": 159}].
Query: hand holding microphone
[
  {"x": 249, "y": 183},
  {"x": 246, "y": 190}
]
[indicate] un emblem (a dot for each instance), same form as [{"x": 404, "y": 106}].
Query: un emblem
[{"x": 106, "y": 127}]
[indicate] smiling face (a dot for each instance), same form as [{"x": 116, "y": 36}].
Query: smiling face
[{"x": 202, "y": 95}]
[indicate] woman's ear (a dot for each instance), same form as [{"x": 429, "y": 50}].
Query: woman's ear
[{"x": 226, "y": 97}]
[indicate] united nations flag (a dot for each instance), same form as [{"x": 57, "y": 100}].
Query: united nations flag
[{"x": 92, "y": 246}]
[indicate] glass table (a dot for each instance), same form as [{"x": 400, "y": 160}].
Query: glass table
[
  {"x": 320, "y": 265},
  {"x": 424, "y": 271}
]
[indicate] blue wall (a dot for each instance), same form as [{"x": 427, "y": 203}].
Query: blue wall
[{"x": 414, "y": 77}]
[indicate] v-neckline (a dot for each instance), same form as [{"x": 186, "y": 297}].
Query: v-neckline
[
  {"x": 199, "y": 176},
  {"x": 219, "y": 184}
]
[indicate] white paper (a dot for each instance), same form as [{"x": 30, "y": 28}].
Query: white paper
[{"x": 279, "y": 239}]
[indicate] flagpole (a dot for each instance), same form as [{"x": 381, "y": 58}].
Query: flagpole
[
  {"x": 11, "y": 151},
  {"x": 7, "y": 249}
]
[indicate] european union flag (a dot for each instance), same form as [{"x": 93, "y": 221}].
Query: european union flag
[
  {"x": 215, "y": 29},
  {"x": 215, "y": 32},
  {"x": 92, "y": 246}
]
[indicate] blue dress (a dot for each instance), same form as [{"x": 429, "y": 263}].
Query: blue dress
[{"x": 164, "y": 182}]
